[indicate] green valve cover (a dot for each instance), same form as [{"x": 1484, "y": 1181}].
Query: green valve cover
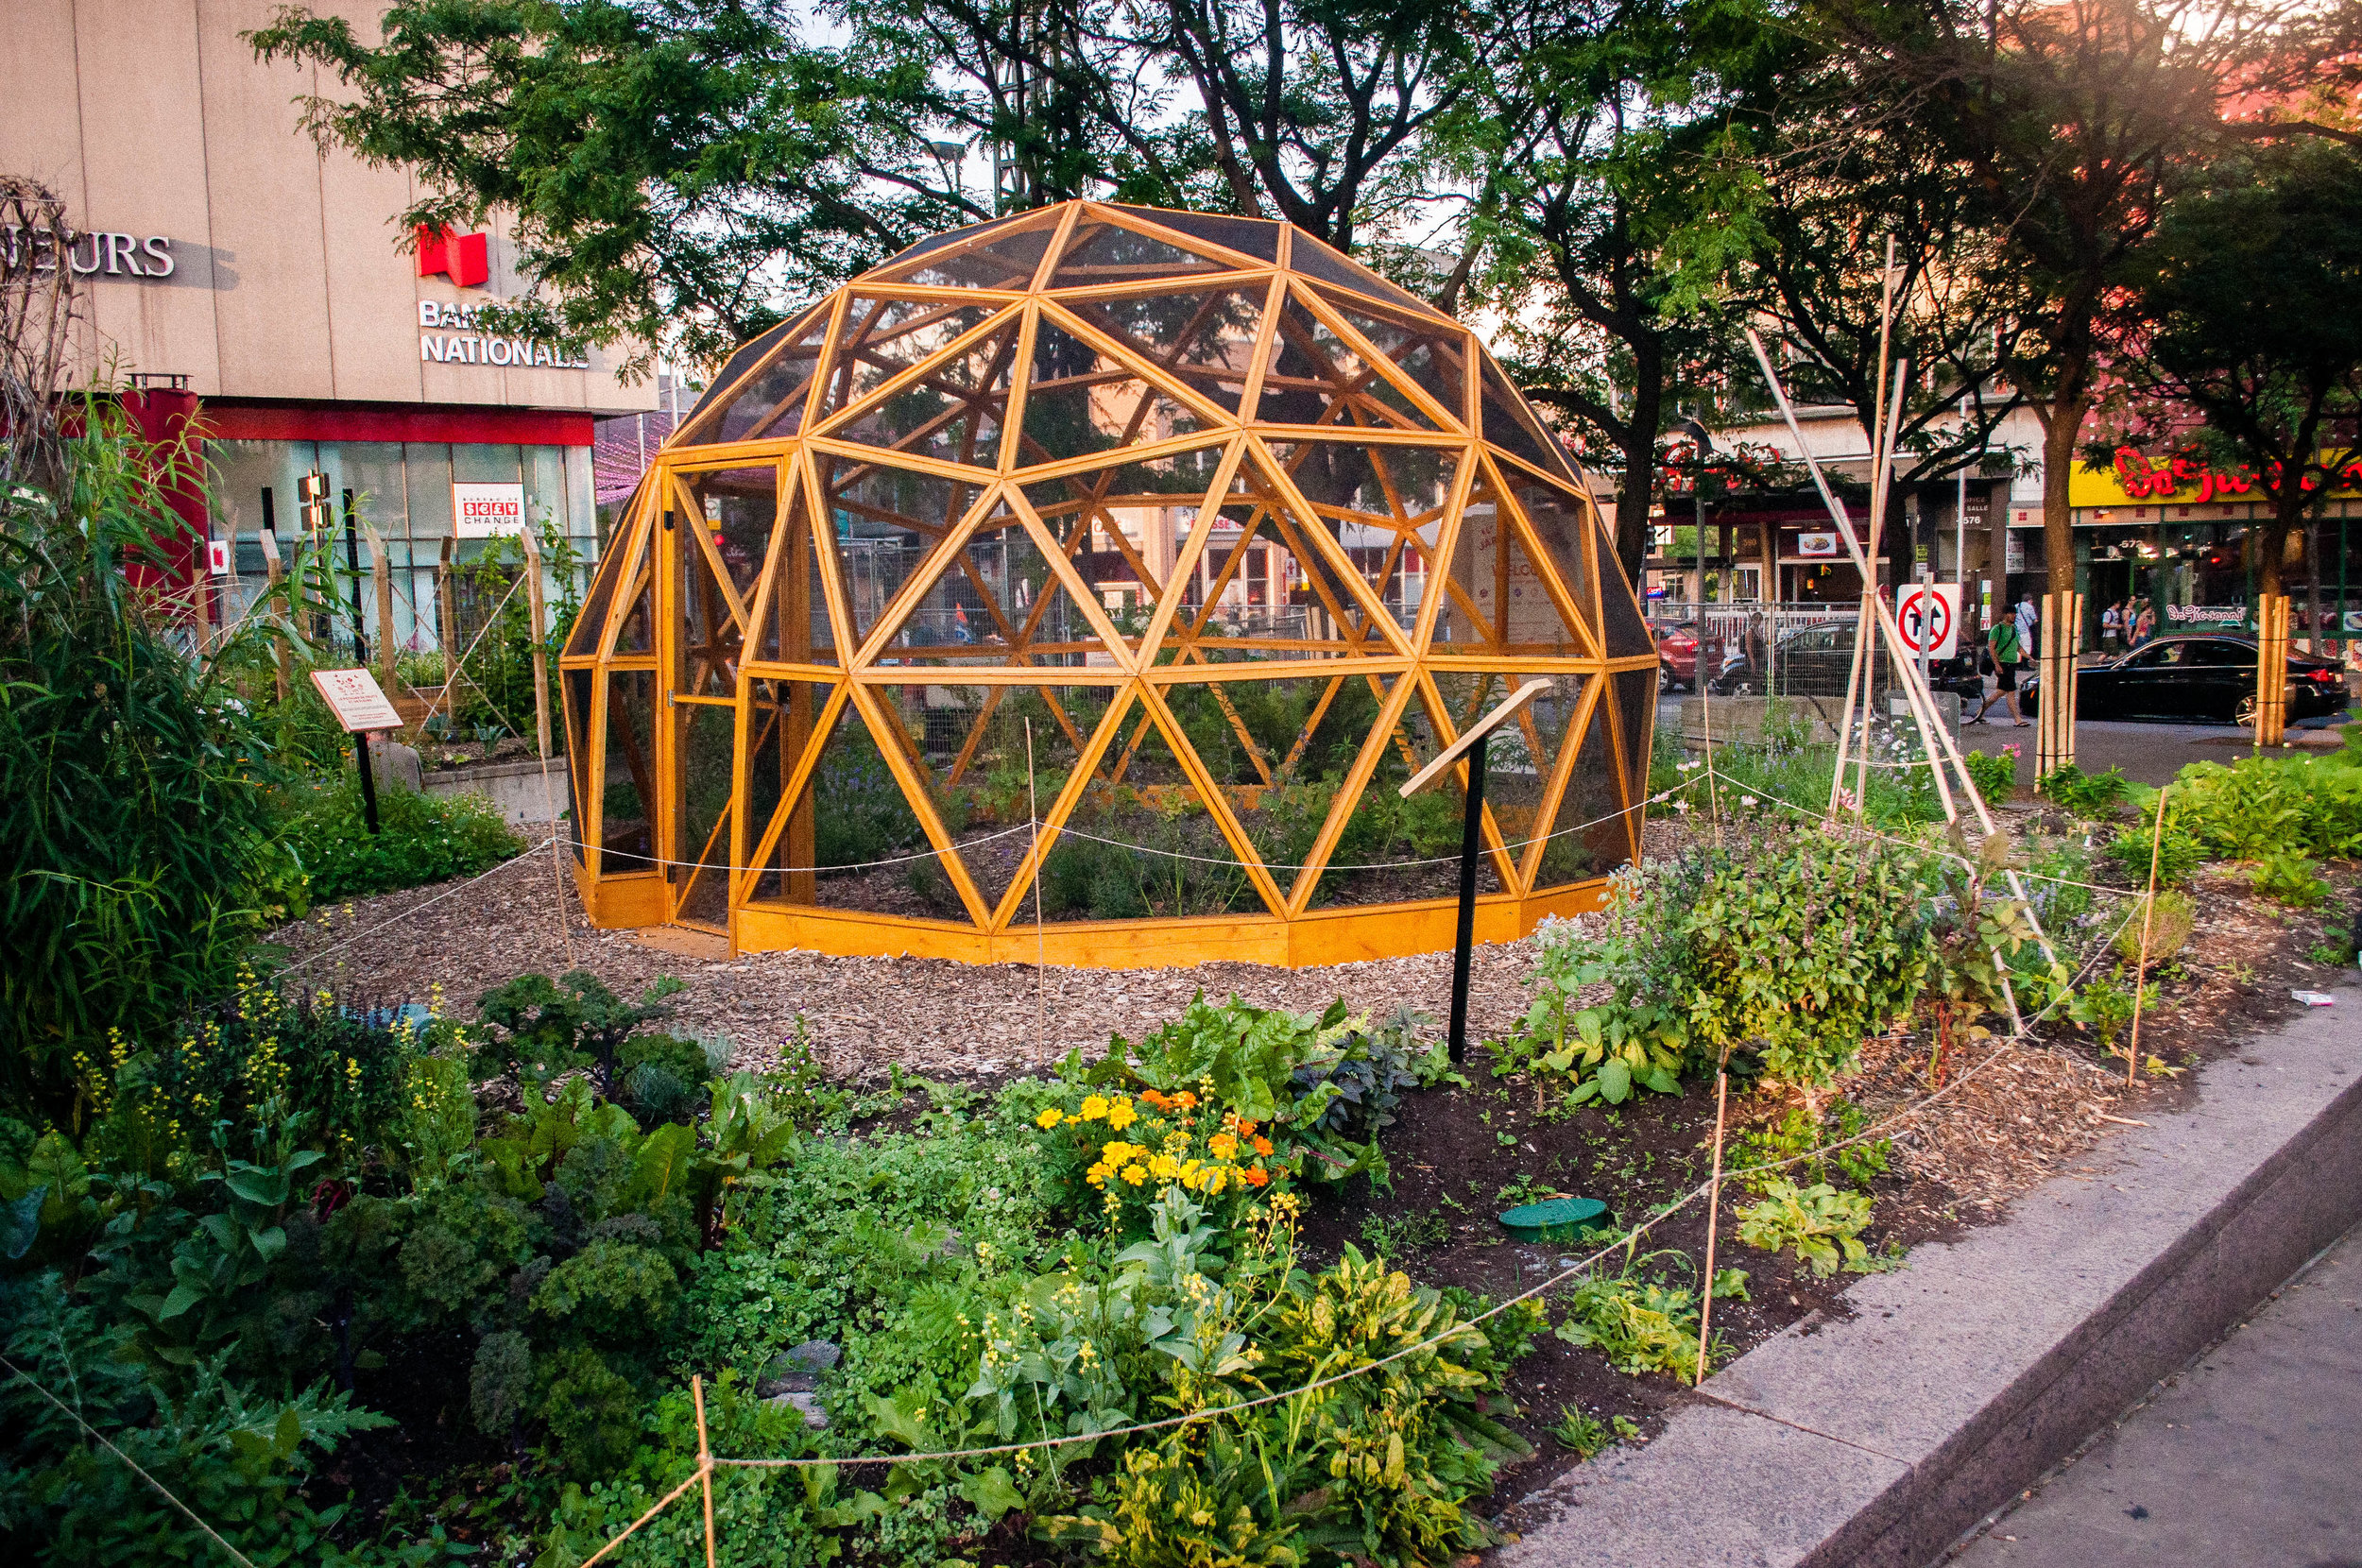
[{"x": 1558, "y": 1219}]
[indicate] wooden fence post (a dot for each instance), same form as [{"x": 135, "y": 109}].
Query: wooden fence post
[
  {"x": 2054, "y": 728},
  {"x": 2272, "y": 671}
]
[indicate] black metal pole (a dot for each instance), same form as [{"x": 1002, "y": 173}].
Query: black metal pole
[
  {"x": 369, "y": 783},
  {"x": 1471, "y": 843},
  {"x": 352, "y": 563}
]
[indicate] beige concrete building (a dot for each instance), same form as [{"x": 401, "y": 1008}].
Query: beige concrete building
[{"x": 221, "y": 245}]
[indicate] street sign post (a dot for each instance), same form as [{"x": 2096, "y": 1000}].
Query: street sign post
[{"x": 1929, "y": 616}]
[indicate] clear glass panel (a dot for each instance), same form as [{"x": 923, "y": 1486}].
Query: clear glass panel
[
  {"x": 576, "y": 686},
  {"x": 1395, "y": 850},
  {"x": 1317, "y": 378},
  {"x": 998, "y": 256},
  {"x": 995, "y": 601},
  {"x": 1124, "y": 526},
  {"x": 1431, "y": 354},
  {"x": 886, "y": 521},
  {"x": 1562, "y": 523},
  {"x": 636, "y": 635},
  {"x": 795, "y": 627},
  {"x": 1384, "y": 505},
  {"x": 1262, "y": 591},
  {"x": 1496, "y": 600},
  {"x": 1079, "y": 402},
  {"x": 1636, "y": 704},
  {"x": 1313, "y": 259},
  {"x": 863, "y": 848},
  {"x": 882, "y": 337},
  {"x": 627, "y": 833},
  {"x": 1146, "y": 845},
  {"x": 1256, "y": 237},
  {"x": 782, "y": 720},
  {"x": 706, "y": 740},
  {"x": 1510, "y": 425},
  {"x": 953, "y": 413},
  {"x": 1587, "y": 836},
  {"x": 1099, "y": 253},
  {"x": 769, "y": 403},
  {"x": 707, "y": 653},
  {"x": 741, "y": 508},
  {"x": 591, "y": 620},
  {"x": 1205, "y": 337},
  {"x": 970, "y": 744}
]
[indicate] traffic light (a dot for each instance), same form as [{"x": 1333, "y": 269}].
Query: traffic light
[{"x": 319, "y": 515}]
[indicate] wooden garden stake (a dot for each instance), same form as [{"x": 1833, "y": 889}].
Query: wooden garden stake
[
  {"x": 2148, "y": 915},
  {"x": 705, "y": 1460},
  {"x": 538, "y": 610},
  {"x": 1714, "y": 1204}
]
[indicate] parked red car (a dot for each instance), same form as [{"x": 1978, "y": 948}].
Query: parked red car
[{"x": 1676, "y": 655}]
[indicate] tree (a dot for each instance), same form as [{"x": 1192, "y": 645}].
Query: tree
[
  {"x": 1618, "y": 138},
  {"x": 677, "y": 172},
  {"x": 1846, "y": 176},
  {"x": 2072, "y": 116},
  {"x": 2243, "y": 316}
]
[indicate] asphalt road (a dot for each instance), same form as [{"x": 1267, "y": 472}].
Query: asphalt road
[{"x": 2249, "y": 1458}]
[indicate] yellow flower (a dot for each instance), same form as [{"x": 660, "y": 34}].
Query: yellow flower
[
  {"x": 1135, "y": 1174},
  {"x": 1049, "y": 1118},
  {"x": 1164, "y": 1168},
  {"x": 1223, "y": 1146},
  {"x": 1215, "y": 1180},
  {"x": 1094, "y": 1106},
  {"x": 1120, "y": 1115}
]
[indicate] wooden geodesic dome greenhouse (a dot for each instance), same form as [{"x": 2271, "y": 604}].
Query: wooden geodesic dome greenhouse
[{"x": 1083, "y": 583}]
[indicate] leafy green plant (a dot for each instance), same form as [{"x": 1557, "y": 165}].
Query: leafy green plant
[
  {"x": 2291, "y": 879},
  {"x": 421, "y": 838},
  {"x": 1580, "y": 1433},
  {"x": 1994, "y": 774},
  {"x": 2084, "y": 794},
  {"x": 546, "y": 1028},
  {"x": 1791, "y": 1145},
  {"x": 2179, "y": 853},
  {"x": 1820, "y": 1224},
  {"x": 2103, "y": 1006},
  {"x": 1640, "y": 1324},
  {"x": 1404, "y": 1234},
  {"x": 2264, "y": 806},
  {"x": 134, "y": 818}
]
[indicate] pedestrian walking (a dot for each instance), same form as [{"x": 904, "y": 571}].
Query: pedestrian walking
[
  {"x": 2003, "y": 648},
  {"x": 2146, "y": 627},
  {"x": 2111, "y": 626}
]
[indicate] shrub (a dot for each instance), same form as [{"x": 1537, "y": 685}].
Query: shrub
[
  {"x": 2170, "y": 926},
  {"x": 1994, "y": 774},
  {"x": 2262, "y": 806},
  {"x": 2084, "y": 794},
  {"x": 1641, "y": 1325},
  {"x": 2176, "y": 853},
  {"x": 421, "y": 839},
  {"x": 1820, "y": 1224},
  {"x": 2289, "y": 878},
  {"x": 1790, "y": 944},
  {"x": 134, "y": 822}
]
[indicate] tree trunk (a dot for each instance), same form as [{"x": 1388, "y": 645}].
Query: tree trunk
[
  {"x": 1639, "y": 487},
  {"x": 2065, "y": 421}
]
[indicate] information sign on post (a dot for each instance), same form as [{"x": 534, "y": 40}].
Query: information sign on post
[
  {"x": 1929, "y": 616},
  {"x": 360, "y": 706},
  {"x": 484, "y": 511}
]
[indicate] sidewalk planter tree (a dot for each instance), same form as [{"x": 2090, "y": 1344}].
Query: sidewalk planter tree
[{"x": 1187, "y": 529}]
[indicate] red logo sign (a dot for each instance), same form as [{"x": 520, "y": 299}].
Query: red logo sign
[{"x": 465, "y": 259}]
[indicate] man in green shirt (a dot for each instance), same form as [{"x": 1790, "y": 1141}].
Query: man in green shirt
[{"x": 2002, "y": 652}]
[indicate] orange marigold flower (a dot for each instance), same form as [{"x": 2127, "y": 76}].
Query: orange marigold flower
[
  {"x": 1257, "y": 1177},
  {"x": 1187, "y": 1100},
  {"x": 1223, "y": 1145},
  {"x": 1262, "y": 1145}
]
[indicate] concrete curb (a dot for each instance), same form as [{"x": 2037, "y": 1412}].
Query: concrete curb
[{"x": 1967, "y": 1374}]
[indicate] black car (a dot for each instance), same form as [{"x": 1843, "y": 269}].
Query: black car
[
  {"x": 2194, "y": 678},
  {"x": 1818, "y": 661}
]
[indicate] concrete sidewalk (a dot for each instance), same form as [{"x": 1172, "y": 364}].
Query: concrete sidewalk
[{"x": 2250, "y": 1457}]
